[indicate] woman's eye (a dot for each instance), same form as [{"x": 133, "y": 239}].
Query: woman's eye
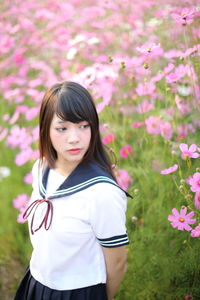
[
  {"x": 85, "y": 126},
  {"x": 61, "y": 129}
]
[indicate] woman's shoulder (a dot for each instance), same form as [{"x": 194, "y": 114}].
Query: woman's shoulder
[{"x": 38, "y": 166}]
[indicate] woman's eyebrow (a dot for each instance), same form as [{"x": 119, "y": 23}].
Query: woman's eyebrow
[{"x": 60, "y": 121}]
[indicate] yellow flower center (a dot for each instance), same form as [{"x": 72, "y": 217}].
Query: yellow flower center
[
  {"x": 199, "y": 198},
  {"x": 181, "y": 220},
  {"x": 186, "y": 155}
]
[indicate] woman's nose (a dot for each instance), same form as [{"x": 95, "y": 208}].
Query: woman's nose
[{"x": 73, "y": 136}]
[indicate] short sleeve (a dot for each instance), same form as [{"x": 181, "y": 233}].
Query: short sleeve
[{"x": 107, "y": 215}]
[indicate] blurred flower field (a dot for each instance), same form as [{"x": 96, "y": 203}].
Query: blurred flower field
[{"x": 141, "y": 63}]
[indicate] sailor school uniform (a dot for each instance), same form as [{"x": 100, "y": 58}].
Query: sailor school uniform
[{"x": 70, "y": 220}]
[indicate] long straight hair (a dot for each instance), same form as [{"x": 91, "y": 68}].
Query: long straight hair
[{"x": 71, "y": 102}]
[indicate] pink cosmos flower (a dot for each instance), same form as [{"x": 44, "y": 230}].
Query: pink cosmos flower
[
  {"x": 183, "y": 106},
  {"x": 24, "y": 156},
  {"x": 108, "y": 138},
  {"x": 196, "y": 231},
  {"x": 20, "y": 201},
  {"x": 123, "y": 179},
  {"x": 166, "y": 130},
  {"x": 188, "y": 152},
  {"x": 144, "y": 107},
  {"x": 185, "y": 17},
  {"x": 169, "y": 170},
  {"x": 197, "y": 200},
  {"x": 172, "y": 77},
  {"x": 195, "y": 182},
  {"x": 124, "y": 152},
  {"x": 181, "y": 220},
  {"x": 147, "y": 48},
  {"x": 3, "y": 134},
  {"x": 137, "y": 124},
  {"x": 153, "y": 125},
  {"x": 28, "y": 178}
]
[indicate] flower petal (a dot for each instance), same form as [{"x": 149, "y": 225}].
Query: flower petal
[
  {"x": 175, "y": 212},
  {"x": 193, "y": 148},
  {"x": 183, "y": 147}
]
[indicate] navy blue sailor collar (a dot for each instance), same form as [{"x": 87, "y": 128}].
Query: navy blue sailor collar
[{"x": 82, "y": 177}]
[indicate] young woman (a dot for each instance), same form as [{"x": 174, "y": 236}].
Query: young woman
[{"x": 76, "y": 214}]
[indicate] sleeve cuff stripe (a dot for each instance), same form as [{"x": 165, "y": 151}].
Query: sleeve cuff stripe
[
  {"x": 111, "y": 241},
  {"x": 112, "y": 245},
  {"x": 114, "y": 238}
]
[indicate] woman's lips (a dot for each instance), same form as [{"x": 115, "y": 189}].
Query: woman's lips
[{"x": 74, "y": 151}]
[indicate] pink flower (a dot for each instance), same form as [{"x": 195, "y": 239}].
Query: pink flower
[
  {"x": 144, "y": 107},
  {"x": 20, "y": 201},
  {"x": 172, "y": 77},
  {"x": 196, "y": 232},
  {"x": 24, "y": 156},
  {"x": 195, "y": 182},
  {"x": 183, "y": 106},
  {"x": 124, "y": 152},
  {"x": 28, "y": 178},
  {"x": 153, "y": 125},
  {"x": 147, "y": 48},
  {"x": 166, "y": 130},
  {"x": 123, "y": 179},
  {"x": 188, "y": 152},
  {"x": 185, "y": 17},
  {"x": 181, "y": 220},
  {"x": 197, "y": 200},
  {"x": 108, "y": 139},
  {"x": 169, "y": 170},
  {"x": 137, "y": 124}
]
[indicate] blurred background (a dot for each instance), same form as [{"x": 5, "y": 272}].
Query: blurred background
[{"x": 141, "y": 63}]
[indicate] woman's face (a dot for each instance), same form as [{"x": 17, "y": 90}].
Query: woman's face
[{"x": 70, "y": 140}]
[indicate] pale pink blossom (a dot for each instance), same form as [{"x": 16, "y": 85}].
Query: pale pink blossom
[
  {"x": 18, "y": 136},
  {"x": 123, "y": 179},
  {"x": 147, "y": 48},
  {"x": 144, "y": 107},
  {"x": 188, "y": 152},
  {"x": 195, "y": 182},
  {"x": 18, "y": 56},
  {"x": 197, "y": 200},
  {"x": 138, "y": 124},
  {"x": 188, "y": 180},
  {"x": 24, "y": 156},
  {"x": 166, "y": 130},
  {"x": 181, "y": 220},
  {"x": 32, "y": 113},
  {"x": 20, "y": 201},
  {"x": 172, "y": 77},
  {"x": 28, "y": 178},
  {"x": 125, "y": 151},
  {"x": 108, "y": 138},
  {"x": 196, "y": 231},
  {"x": 3, "y": 134},
  {"x": 183, "y": 106},
  {"x": 145, "y": 89},
  {"x": 185, "y": 17},
  {"x": 153, "y": 125},
  {"x": 169, "y": 170}
]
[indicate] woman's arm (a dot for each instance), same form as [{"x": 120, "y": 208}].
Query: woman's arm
[{"x": 115, "y": 259}]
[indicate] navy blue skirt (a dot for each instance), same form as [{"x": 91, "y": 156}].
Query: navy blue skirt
[{"x": 31, "y": 289}]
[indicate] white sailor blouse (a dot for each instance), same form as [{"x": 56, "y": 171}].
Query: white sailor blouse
[{"x": 69, "y": 220}]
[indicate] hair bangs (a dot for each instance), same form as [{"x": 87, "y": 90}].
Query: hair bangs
[{"x": 71, "y": 109}]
